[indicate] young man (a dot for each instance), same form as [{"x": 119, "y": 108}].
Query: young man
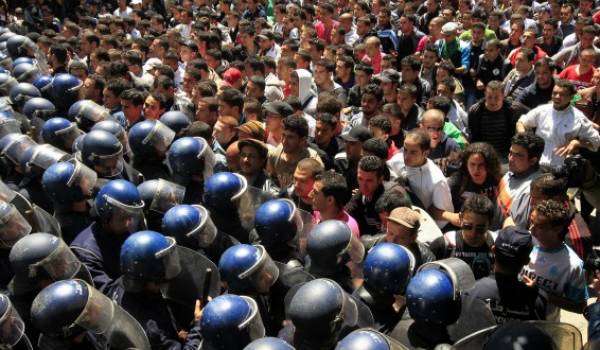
[
  {"x": 329, "y": 195},
  {"x": 403, "y": 228},
  {"x": 473, "y": 242},
  {"x": 441, "y": 145},
  {"x": 554, "y": 267},
  {"x": 370, "y": 177},
  {"x": 490, "y": 66},
  {"x": 276, "y": 112},
  {"x": 132, "y": 105},
  {"x": 253, "y": 159},
  {"x": 304, "y": 178},
  {"x": 346, "y": 163},
  {"x": 284, "y": 158},
  {"x": 581, "y": 74}
]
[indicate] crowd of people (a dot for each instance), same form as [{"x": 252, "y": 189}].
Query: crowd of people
[{"x": 250, "y": 174}]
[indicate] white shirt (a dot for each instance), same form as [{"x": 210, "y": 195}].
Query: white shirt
[
  {"x": 558, "y": 128},
  {"x": 125, "y": 13},
  {"x": 427, "y": 182}
]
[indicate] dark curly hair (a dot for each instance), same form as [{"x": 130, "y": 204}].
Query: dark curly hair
[{"x": 490, "y": 156}]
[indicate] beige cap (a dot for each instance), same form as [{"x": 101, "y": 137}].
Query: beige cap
[{"x": 405, "y": 217}]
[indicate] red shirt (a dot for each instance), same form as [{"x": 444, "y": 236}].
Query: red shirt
[
  {"x": 324, "y": 33},
  {"x": 375, "y": 61},
  {"x": 580, "y": 81}
]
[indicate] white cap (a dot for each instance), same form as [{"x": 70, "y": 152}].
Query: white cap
[{"x": 450, "y": 28}]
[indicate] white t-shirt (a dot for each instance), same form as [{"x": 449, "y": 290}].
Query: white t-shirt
[{"x": 559, "y": 272}]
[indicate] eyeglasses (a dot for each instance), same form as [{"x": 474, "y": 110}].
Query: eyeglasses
[
  {"x": 434, "y": 129},
  {"x": 478, "y": 229}
]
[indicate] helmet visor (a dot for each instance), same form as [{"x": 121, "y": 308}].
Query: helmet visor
[
  {"x": 253, "y": 324},
  {"x": 355, "y": 250},
  {"x": 13, "y": 227},
  {"x": 12, "y": 326},
  {"x": 46, "y": 155},
  {"x": 98, "y": 312},
  {"x": 160, "y": 137},
  {"x": 263, "y": 274},
  {"x": 15, "y": 150},
  {"x": 69, "y": 134},
  {"x": 206, "y": 231},
  {"x": 83, "y": 177},
  {"x": 60, "y": 264},
  {"x": 9, "y": 126},
  {"x": 167, "y": 195},
  {"x": 109, "y": 166},
  {"x": 170, "y": 259},
  {"x": 6, "y": 194}
]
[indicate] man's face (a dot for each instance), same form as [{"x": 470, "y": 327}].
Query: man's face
[
  {"x": 405, "y": 101},
  {"x": 368, "y": 182},
  {"x": 491, "y": 52},
  {"x": 321, "y": 76},
  {"x": 294, "y": 88},
  {"x": 152, "y": 108},
  {"x": 89, "y": 89},
  {"x": 518, "y": 159},
  {"x": 319, "y": 201},
  {"x": 361, "y": 28},
  {"x": 493, "y": 99},
  {"x": 253, "y": 90},
  {"x": 110, "y": 100},
  {"x": 444, "y": 90},
  {"x": 474, "y": 226},
  {"x": 543, "y": 76},
  {"x": 429, "y": 59},
  {"x": 323, "y": 133},
  {"x": 353, "y": 150},
  {"x": 79, "y": 74},
  {"x": 406, "y": 26},
  {"x": 399, "y": 234},
  {"x": 435, "y": 129},
  {"x": 516, "y": 31},
  {"x": 560, "y": 97},
  {"x": 541, "y": 228},
  {"x": 225, "y": 109},
  {"x": 587, "y": 40},
  {"x": 566, "y": 14},
  {"x": 362, "y": 78},
  {"x": 340, "y": 70},
  {"x": 408, "y": 74},
  {"x": 131, "y": 111},
  {"x": 548, "y": 31},
  {"x": 477, "y": 34},
  {"x": 292, "y": 143},
  {"x": 522, "y": 64},
  {"x": 303, "y": 183},
  {"x": 587, "y": 60},
  {"x": 223, "y": 133},
  {"x": 414, "y": 156},
  {"x": 250, "y": 161},
  {"x": 84, "y": 47},
  {"x": 383, "y": 18},
  {"x": 369, "y": 104},
  {"x": 274, "y": 122}
]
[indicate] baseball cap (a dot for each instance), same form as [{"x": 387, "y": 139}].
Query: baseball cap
[
  {"x": 514, "y": 243},
  {"x": 135, "y": 2},
  {"x": 389, "y": 76},
  {"x": 450, "y": 28},
  {"x": 358, "y": 133},
  {"x": 260, "y": 146},
  {"x": 253, "y": 128},
  {"x": 405, "y": 217},
  {"x": 232, "y": 75},
  {"x": 278, "y": 107}
]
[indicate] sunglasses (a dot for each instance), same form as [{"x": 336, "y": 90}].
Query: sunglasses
[{"x": 477, "y": 229}]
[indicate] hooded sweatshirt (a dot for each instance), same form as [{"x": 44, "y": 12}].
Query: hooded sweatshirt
[{"x": 306, "y": 92}]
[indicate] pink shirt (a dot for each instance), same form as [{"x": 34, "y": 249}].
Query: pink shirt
[{"x": 342, "y": 216}]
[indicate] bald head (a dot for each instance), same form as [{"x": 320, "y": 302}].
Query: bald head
[
  {"x": 433, "y": 116},
  {"x": 233, "y": 157}
]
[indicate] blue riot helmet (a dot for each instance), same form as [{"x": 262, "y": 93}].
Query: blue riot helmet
[
  {"x": 114, "y": 128},
  {"x": 278, "y": 221},
  {"x": 221, "y": 191},
  {"x": 21, "y": 93},
  {"x": 189, "y": 157},
  {"x": 269, "y": 343},
  {"x": 60, "y": 133},
  {"x": 120, "y": 200},
  {"x": 432, "y": 298},
  {"x": 39, "y": 158},
  {"x": 189, "y": 223},
  {"x": 23, "y": 59},
  {"x": 39, "y": 107},
  {"x": 7, "y": 82},
  {"x": 41, "y": 257},
  {"x": 175, "y": 120},
  {"x": 369, "y": 339},
  {"x": 150, "y": 139},
  {"x": 6, "y": 35},
  {"x": 65, "y": 91},
  {"x": 69, "y": 182},
  {"x": 320, "y": 310},
  {"x": 387, "y": 268},
  {"x": 12, "y": 327},
  {"x": 44, "y": 84},
  {"x": 330, "y": 244},
  {"x": 248, "y": 269},
  {"x": 102, "y": 152},
  {"x": 230, "y": 322},
  {"x": 68, "y": 308},
  {"x": 8, "y": 125},
  {"x": 159, "y": 196},
  {"x": 13, "y": 225},
  {"x": 19, "y": 45},
  {"x": 148, "y": 256},
  {"x": 25, "y": 72},
  {"x": 13, "y": 147},
  {"x": 86, "y": 113}
]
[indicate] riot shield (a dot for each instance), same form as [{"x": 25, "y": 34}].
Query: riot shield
[
  {"x": 305, "y": 224},
  {"x": 167, "y": 195},
  {"x": 9, "y": 126},
  {"x": 46, "y": 155},
  {"x": 17, "y": 148},
  {"x": 459, "y": 271},
  {"x": 564, "y": 336},
  {"x": 249, "y": 201},
  {"x": 103, "y": 316},
  {"x": 474, "y": 316},
  {"x": 290, "y": 276},
  {"x": 6, "y": 194},
  {"x": 13, "y": 227},
  {"x": 197, "y": 279},
  {"x": 12, "y": 327}
]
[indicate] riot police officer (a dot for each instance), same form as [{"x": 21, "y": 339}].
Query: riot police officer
[
  {"x": 70, "y": 185},
  {"x": 334, "y": 253},
  {"x": 12, "y": 148},
  {"x": 160, "y": 284},
  {"x": 37, "y": 260},
  {"x": 71, "y": 314},
  {"x": 38, "y": 110},
  {"x": 321, "y": 314},
  {"x": 119, "y": 212},
  {"x": 387, "y": 270},
  {"x": 60, "y": 133},
  {"x": 65, "y": 91},
  {"x": 159, "y": 196},
  {"x": 176, "y": 121},
  {"x": 230, "y": 322},
  {"x": 87, "y": 113},
  {"x": 192, "y": 227},
  {"x": 103, "y": 153},
  {"x": 269, "y": 343},
  {"x": 149, "y": 141},
  {"x": 12, "y": 327},
  {"x": 191, "y": 162},
  {"x": 13, "y": 227}
]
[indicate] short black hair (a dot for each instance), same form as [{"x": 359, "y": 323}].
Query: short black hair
[
  {"x": 533, "y": 143},
  {"x": 392, "y": 198},
  {"x": 376, "y": 147},
  {"x": 335, "y": 185},
  {"x": 479, "y": 204},
  {"x": 382, "y": 123},
  {"x": 117, "y": 86},
  {"x": 374, "y": 90},
  {"x": 233, "y": 97},
  {"x": 373, "y": 164},
  {"x": 134, "y": 95},
  {"x": 296, "y": 124},
  {"x": 328, "y": 119}
]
